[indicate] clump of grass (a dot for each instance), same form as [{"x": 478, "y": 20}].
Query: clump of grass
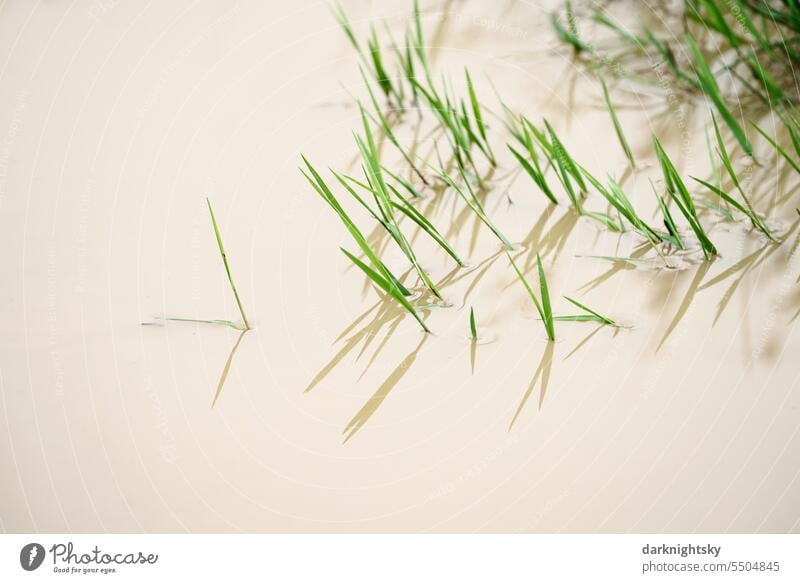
[
  {"x": 403, "y": 205},
  {"x": 378, "y": 272},
  {"x": 473, "y": 329},
  {"x": 683, "y": 200},
  {"x": 567, "y": 170},
  {"x": 617, "y": 125},
  {"x": 589, "y": 316},
  {"x": 747, "y": 208},
  {"x": 543, "y": 307},
  {"x": 371, "y": 56},
  {"x": 455, "y": 119},
  {"x": 227, "y": 267}
]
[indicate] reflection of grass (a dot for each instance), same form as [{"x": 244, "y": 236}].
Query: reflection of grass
[{"x": 226, "y": 369}]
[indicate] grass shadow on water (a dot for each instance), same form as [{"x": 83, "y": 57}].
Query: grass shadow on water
[
  {"x": 543, "y": 371},
  {"x": 226, "y": 369},
  {"x": 377, "y": 398}
]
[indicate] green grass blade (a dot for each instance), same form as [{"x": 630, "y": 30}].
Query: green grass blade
[
  {"x": 669, "y": 222},
  {"x": 476, "y": 112},
  {"x": 421, "y": 220},
  {"x": 227, "y": 267},
  {"x": 617, "y": 126},
  {"x": 539, "y": 309},
  {"x": 778, "y": 148},
  {"x": 726, "y": 162},
  {"x": 472, "y": 327},
  {"x": 567, "y": 36},
  {"x": 709, "y": 86},
  {"x": 547, "y": 308},
  {"x": 683, "y": 200},
  {"x": 599, "y": 317},
  {"x": 723, "y": 195},
  {"x": 536, "y": 176},
  {"x": 227, "y": 323}
]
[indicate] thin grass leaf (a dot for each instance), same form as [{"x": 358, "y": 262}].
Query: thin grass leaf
[
  {"x": 598, "y": 317},
  {"x": 563, "y": 157},
  {"x": 476, "y": 112},
  {"x": 535, "y": 175},
  {"x": 623, "y": 33},
  {"x": 617, "y": 126},
  {"x": 381, "y": 76},
  {"x": 669, "y": 222},
  {"x": 227, "y": 323},
  {"x": 668, "y": 57},
  {"x": 683, "y": 200},
  {"x": 547, "y": 318},
  {"x": 227, "y": 267},
  {"x": 723, "y": 195},
  {"x": 708, "y": 83},
  {"x": 600, "y": 217},
  {"x": 726, "y": 162},
  {"x": 546, "y": 307},
  {"x": 387, "y": 128},
  {"x": 415, "y": 215},
  {"x": 567, "y": 36},
  {"x": 718, "y": 209},
  {"x": 344, "y": 22},
  {"x": 472, "y": 327},
  {"x": 777, "y": 148},
  {"x": 619, "y": 200},
  {"x": 472, "y": 202}
]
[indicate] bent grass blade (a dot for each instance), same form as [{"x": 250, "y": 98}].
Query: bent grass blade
[{"x": 590, "y": 316}]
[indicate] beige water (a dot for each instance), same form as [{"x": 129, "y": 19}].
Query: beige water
[{"x": 337, "y": 413}]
